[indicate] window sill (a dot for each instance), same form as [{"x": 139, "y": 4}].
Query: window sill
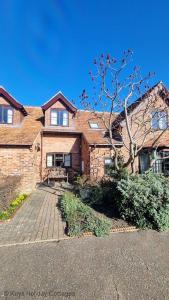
[
  {"x": 159, "y": 129},
  {"x": 52, "y": 125}
]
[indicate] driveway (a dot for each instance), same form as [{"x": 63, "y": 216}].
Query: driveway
[
  {"x": 126, "y": 266},
  {"x": 38, "y": 219}
]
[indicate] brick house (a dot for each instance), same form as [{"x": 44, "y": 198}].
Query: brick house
[{"x": 34, "y": 140}]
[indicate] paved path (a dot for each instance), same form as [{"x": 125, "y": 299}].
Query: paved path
[{"x": 38, "y": 219}]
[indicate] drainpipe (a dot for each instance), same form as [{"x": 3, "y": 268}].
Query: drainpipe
[{"x": 41, "y": 155}]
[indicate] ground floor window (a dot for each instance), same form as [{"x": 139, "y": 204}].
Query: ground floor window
[
  {"x": 161, "y": 164},
  {"x": 107, "y": 165},
  {"x": 54, "y": 160},
  {"x": 144, "y": 161},
  {"x": 160, "y": 161}
]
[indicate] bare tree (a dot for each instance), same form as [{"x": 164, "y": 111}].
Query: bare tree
[{"x": 118, "y": 86}]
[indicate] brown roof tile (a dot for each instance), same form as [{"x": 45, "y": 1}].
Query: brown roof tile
[
  {"x": 93, "y": 136},
  {"x": 26, "y": 132},
  {"x": 158, "y": 141}
]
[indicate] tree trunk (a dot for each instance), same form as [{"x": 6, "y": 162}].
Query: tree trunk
[
  {"x": 133, "y": 167},
  {"x": 115, "y": 158}
]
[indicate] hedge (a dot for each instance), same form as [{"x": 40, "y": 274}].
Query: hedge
[{"x": 80, "y": 217}]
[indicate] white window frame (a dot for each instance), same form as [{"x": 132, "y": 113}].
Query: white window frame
[
  {"x": 54, "y": 117},
  {"x": 160, "y": 122},
  {"x": 110, "y": 163},
  {"x": 93, "y": 125},
  {"x": 51, "y": 160}
]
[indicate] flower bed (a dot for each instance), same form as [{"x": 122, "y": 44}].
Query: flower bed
[{"x": 14, "y": 205}]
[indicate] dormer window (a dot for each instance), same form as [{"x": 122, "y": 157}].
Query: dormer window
[
  {"x": 6, "y": 114},
  {"x": 59, "y": 117},
  {"x": 93, "y": 125}
]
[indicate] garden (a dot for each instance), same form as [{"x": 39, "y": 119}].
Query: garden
[
  {"x": 10, "y": 198},
  {"x": 123, "y": 200}
]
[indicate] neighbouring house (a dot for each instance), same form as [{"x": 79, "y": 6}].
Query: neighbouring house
[{"x": 57, "y": 135}]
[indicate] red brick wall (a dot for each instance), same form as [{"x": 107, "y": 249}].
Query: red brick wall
[
  {"x": 62, "y": 143},
  {"x": 23, "y": 161},
  {"x": 97, "y": 157},
  {"x": 85, "y": 152},
  {"x": 135, "y": 116},
  {"x": 18, "y": 161}
]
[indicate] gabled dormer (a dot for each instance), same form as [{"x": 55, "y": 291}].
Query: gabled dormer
[
  {"x": 11, "y": 111},
  {"x": 59, "y": 112}
]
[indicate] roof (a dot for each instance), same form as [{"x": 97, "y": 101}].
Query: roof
[
  {"x": 32, "y": 124},
  {"x": 12, "y": 100},
  {"x": 81, "y": 126},
  {"x": 26, "y": 132},
  {"x": 158, "y": 141},
  {"x": 163, "y": 91},
  {"x": 94, "y": 136},
  {"x": 59, "y": 96}
]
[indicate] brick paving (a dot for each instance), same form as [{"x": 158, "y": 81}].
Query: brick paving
[{"x": 38, "y": 219}]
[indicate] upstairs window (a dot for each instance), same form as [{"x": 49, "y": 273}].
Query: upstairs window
[
  {"x": 54, "y": 160},
  {"x": 159, "y": 120},
  {"x": 93, "y": 125},
  {"x": 6, "y": 114},
  {"x": 59, "y": 117}
]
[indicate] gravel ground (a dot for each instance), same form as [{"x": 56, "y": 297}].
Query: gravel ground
[
  {"x": 123, "y": 266},
  {"x": 116, "y": 222}
]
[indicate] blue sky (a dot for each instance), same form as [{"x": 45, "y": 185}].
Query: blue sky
[{"x": 46, "y": 46}]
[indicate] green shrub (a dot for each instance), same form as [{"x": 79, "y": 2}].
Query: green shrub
[
  {"x": 6, "y": 214},
  {"x": 80, "y": 217},
  {"x": 120, "y": 173},
  {"x": 100, "y": 227},
  {"x": 144, "y": 200},
  {"x": 15, "y": 203}
]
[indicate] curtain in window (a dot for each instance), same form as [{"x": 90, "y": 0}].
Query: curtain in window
[
  {"x": 159, "y": 120},
  {"x": 107, "y": 165},
  {"x": 53, "y": 117},
  {"x": 59, "y": 117},
  {"x": 162, "y": 119},
  {"x": 6, "y": 114},
  {"x": 58, "y": 160},
  {"x": 65, "y": 118},
  {"x": 50, "y": 160},
  {"x": 9, "y": 115}
]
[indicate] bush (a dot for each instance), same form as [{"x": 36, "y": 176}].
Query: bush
[
  {"x": 144, "y": 200},
  {"x": 121, "y": 172},
  {"x": 100, "y": 227},
  {"x": 80, "y": 217},
  {"x": 6, "y": 214}
]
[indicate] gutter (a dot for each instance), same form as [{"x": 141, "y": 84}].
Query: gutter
[
  {"x": 16, "y": 145},
  {"x": 95, "y": 144}
]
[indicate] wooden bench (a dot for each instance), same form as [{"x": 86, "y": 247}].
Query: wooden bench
[{"x": 57, "y": 173}]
